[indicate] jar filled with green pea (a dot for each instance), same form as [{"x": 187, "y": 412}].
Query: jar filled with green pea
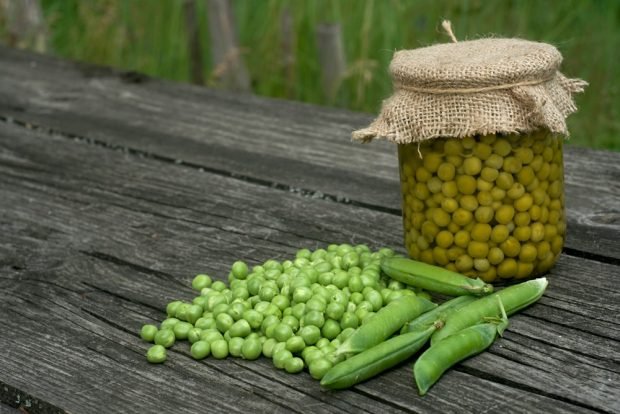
[{"x": 480, "y": 127}]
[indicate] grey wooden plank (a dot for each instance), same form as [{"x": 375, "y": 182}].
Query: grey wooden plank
[
  {"x": 77, "y": 197},
  {"x": 256, "y": 139}
]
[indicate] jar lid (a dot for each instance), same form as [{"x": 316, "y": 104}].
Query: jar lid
[
  {"x": 483, "y": 86},
  {"x": 475, "y": 64}
]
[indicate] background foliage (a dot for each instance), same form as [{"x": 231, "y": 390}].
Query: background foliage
[{"x": 149, "y": 36}]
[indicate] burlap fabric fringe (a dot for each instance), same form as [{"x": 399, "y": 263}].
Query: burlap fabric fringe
[{"x": 475, "y": 87}]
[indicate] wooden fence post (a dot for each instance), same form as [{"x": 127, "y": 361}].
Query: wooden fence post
[
  {"x": 287, "y": 41},
  {"x": 331, "y": 58},
  {"x": 25, "y": 25},
  {"x": 230, "y": 67},
  {"x": 194, "y": 52}
]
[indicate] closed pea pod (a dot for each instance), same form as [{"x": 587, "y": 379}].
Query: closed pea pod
[
  {"x": 433, "y": 278},
  {"x": 375, "y": 360},
  {"x": 431, "y": 365},
  {"x": 513, "y": 298},
  {"x": 465, "y": 343},
  {"x": 384, "y": 323}
]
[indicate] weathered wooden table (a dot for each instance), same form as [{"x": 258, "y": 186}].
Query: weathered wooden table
[{"x": 115, "y": 189}]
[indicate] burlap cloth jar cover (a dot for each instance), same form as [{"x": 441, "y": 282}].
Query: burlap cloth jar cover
[{"x": 474, "y": 87}]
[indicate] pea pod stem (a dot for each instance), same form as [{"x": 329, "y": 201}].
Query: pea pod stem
[
  {"x": 375, "y": 360},
  {"x": 384, "y": 323},
  {"x": 433, "y": 278},
  {"x": 513, "y": 298}
]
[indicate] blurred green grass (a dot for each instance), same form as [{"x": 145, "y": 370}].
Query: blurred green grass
[{"x": 148, "y": 36}]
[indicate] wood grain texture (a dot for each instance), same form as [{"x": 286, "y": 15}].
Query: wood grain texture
[
  {"x": 257, "y": 139},
  {"x": 95, "y": 241},
  {"x": 115, "y": 189}
]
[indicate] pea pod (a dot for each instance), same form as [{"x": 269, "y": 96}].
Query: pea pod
[
  {"x": 433, "y": 278},
  {"x": 440, "y": 313},
  {"x": 431, "y": 365},
  {"x": 371, "y": 362},
  {"x": 384, "y": 323},
  {"x": 514, "y": 298}
]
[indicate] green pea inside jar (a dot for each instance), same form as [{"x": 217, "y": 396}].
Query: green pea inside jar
[{"x": 487, "y": 206}]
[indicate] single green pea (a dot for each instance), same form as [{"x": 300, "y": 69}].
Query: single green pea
[
  {"x": 281, "y": 301},
  {"x": 223, "y": 322},
  {"x": 251, "y": 349},
  {"x": 282, "y": 332},
  {"x": 194, "y": 335},
  {"x": 301, "y": 262},
  {"x": 168, "y": 323},
  {"x": 340, "y": 279},
  {"x": 319, "y": 367},
  {"x": 322, "y": 343},
  {"x": 268, "y": 347},
  {"x": 240, "y": 270},
  {"x": 355, "y": 284},
  {"x": 201, "y": 281},
  {"x": 236, "y": 310},
  {"x": 219, "y": 349},
  {"x": 375, "y": 299},
  {"x": 361, "y": 313},
  {"x": 273, "y": 310},
  {"x": 269, "y": 320},
  {"x": 181, "y": 330},
  {"x": 241, "y": 328},
  {"x": 294, "y": 365},
  {"x": 240, "y": 292},
  {"x": 317, "y": 303},
  {"x": 254, "y": 318},
  {"x": 350, "y": 259},
  {"x": 220, "y": 308},
  {"x": 312, "y": 354},
  {"x": 148, "y": 332},
  {"x": 298, "y": 310},
  {"x": 291, "y": 321},
  {"x": 295, "y": 344},
  {"x": 201, "y": 301},
  {"x": 205, "y": 323},
  {"x": 216, "y": 299},
  {"x": 349, "y": 320},
  {"x": 280, "y": 357},
  {"x": 302, "y": 294},
  {"x": 331, "y": 329},
  {"x": 171, "y": 308},
  {"x": 234, "y": 346},
  {"x": 218, "y": 285},
  {"x": 254, "y": 284},
  {"x": 211, "y": 335},
  {"x": 267, "y": 293},
  {"x": 314, "y": 317},
  {"x": 356, "y": 297},
  {"x": 200, "y": 349},
  {"x": 156, "y": 354},
  {"x": 310, "y": 334},
  {"x": 193, "y": 313},
  {"x": 164, "y": 337},
  {"x": 334, "y": 310}
]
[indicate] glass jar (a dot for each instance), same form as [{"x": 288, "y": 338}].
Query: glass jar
[{"x": 487, "y": 206}]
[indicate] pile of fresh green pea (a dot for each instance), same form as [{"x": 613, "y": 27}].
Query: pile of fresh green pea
[{"x": 296, "y": 312}]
